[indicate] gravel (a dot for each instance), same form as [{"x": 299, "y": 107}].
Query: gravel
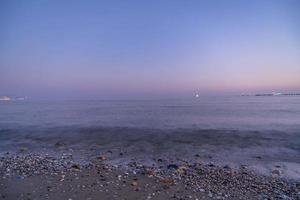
[{"x": 34, "y": 176}]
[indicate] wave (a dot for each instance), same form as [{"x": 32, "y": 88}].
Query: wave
[{"x": 107, "y": 135}]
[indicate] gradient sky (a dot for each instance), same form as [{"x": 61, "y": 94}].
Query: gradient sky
[{"x": 142, "y": 49}]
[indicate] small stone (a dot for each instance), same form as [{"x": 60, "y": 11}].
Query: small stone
[
  {"x": 101, "y": 157},
  {"x": 211, "y": 165},
  {"x": 276, "y": 172},
  {"x": 23, "y": 149},
  {"x": 59, "y": 144},
  {"x": 244, "y": 166},
  {"x": 149, "y": 172},
  {"x": 75, "y": 166},
  {"x": 134, "y": 183},
  {"x": 226, "y": 167},
  {"x": 166, "y": 181},
  {"x": 172, "y": 166}
]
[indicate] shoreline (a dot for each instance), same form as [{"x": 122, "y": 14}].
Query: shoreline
[
  {"x": 35, "y": 176},
  {"x": 260, "y": 151}
]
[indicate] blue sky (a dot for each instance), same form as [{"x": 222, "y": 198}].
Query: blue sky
[{"x": 142, "y": 49}]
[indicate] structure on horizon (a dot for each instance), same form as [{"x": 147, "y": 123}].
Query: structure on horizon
[
  {"x": 9, "y": 98},
  {"x": 272, "y": 94}
]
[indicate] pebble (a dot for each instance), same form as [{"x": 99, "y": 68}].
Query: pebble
[
  {"x": 172, "y": 166},
  {"x": 134, "y": 183},
  {"x": 276, "y": 173},
  {"x": 101, "y": 157}
]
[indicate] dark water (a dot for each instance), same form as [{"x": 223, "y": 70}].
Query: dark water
[{"x": 232, "y": 129}]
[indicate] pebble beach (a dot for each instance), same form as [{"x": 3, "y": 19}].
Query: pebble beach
[{"x": 35, "y": 176}]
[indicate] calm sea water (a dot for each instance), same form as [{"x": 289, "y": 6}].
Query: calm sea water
[
  {"x": 223, "y": 129},
  {"x": 280, "y": 113}
]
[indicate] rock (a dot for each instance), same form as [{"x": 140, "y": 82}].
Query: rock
[
  {"x": 23, "y": 149},
  {"x": 244, "y": 166},
  {"x": 101, "y": 157},
  {"x": 49, "y": 188},
  {"x": 276, "y": 172},
  {"x": 62, "y": 177},
  {"x": 59, "y": 144},
  {"x": 75, "y": 166},
  {"x": 181, "y": 169},
  {"x": 150, "y": 172},
  {"x": 172, "y": 166},
  {"x": 232, "y": 172},
  {"x": 134, "y": 183},
  {"x": 166, "y": 181},
  {"x": 211, "y": 165},
  {"x": 226, "y": 167}
]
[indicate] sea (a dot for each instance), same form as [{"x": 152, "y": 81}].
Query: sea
[{"x": 258, "y": 131}]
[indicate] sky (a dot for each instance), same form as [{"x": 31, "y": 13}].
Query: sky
[{"x": 69, "y": 49}]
